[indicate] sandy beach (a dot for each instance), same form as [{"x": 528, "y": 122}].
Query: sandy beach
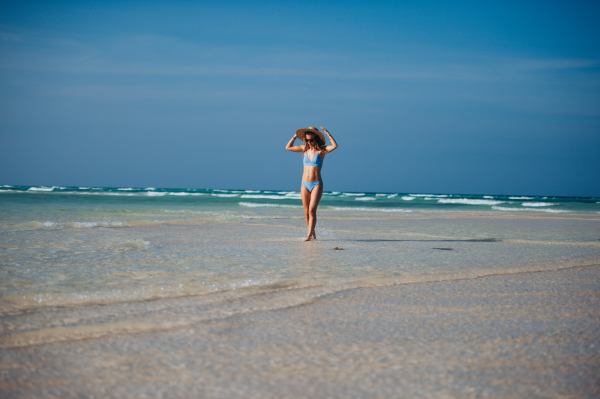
[{"x": 516, "y": 335}]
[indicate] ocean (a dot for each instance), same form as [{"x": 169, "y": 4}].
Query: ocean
[
  {"x": 113, "y": 292},
  {"x": 79, "y": 246}
]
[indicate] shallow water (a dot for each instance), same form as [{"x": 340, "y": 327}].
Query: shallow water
[{"x": 71, "y": 250}]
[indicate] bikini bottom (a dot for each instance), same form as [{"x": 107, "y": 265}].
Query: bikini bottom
[{"x": 310, "y": 185}]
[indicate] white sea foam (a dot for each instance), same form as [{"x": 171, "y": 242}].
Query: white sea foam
[
  {"x": 155, "y": 194},
  {"x": 125, "y": 189},
  {"x": 45, "y": 224},
  {"x": 468, "y": 201},
  {"x": 222, "y": 191},
  {"x": 365, "y": 199},
  {"x": 6, "y": 185},
  {"x": 91, "y": 225},
  {"x": 286, "y": 192},
  {"x": 380, "y": 195},
  {"x": 253, "y": 205},
  {"x": 225, "y": 195},
  {"x": 407, "y": 198},
  {"x": 335, "y": 192},
  {"x": 252, "y": 191},
  {"x": 500, "y": 208},
  {"x": 538, "y": 203},
  {"x": 185, "y": 193},
  {"x": 267, "y": 196},
  {"x": 251, "y": 282},
  {"x": 42, "y": 188},
  {"x": 488, "y": 196},
  {"x": 150, "y": 188},
  {"x": 338, "y": 208},
  {"x": 520, "y": 198},
  {"x": 430, "y": 199},
  {"x": 354, "y": 194},
  {"x": 83, "y": 188},
  {"x": 392, "y": 195},
  {"x": 429, "y": 195},
  {"x": 9, "y": 191}
]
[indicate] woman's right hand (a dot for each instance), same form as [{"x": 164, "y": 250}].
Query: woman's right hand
[{"x": 291, "y": 147}]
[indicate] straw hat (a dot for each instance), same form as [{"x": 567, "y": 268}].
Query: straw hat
[{"x": 302, "y": 132}]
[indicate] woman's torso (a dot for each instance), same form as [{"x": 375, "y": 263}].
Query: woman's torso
[{"x": 312, "y": 173}]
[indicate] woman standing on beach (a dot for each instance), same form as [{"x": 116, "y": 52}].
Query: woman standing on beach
[{"x": 314, "y": 150}]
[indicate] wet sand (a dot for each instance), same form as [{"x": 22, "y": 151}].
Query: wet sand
[{"x": 517, "y": 335}]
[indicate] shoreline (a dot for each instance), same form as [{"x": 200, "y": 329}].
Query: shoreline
[
  {"x": 512, "y": 335},
  {"x": 252, "y": 290}
]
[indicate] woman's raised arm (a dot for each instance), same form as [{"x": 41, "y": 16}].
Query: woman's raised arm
[
  {"x": 294, "y": 148},
  {"x": 333, "y": 145}
]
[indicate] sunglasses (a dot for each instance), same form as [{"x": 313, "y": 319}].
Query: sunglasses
[{"x": 310, "y": 140}]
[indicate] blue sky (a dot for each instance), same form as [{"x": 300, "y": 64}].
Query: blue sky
[{"x": 436, "y": 97}]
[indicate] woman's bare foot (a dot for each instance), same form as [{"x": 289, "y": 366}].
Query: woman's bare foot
[{"x": 309, "y": 238}]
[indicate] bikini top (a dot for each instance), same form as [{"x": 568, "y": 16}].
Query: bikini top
[{"x": 316, "y": 161}]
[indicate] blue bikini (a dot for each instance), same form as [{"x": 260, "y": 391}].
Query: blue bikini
[{"x": 316, "y": 161}]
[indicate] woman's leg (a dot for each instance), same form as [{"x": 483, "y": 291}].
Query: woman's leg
[
  {"x": 305, "y": 194},
  {"x": 315, "y": 198}
]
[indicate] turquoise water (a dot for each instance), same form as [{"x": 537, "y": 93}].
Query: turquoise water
[
  {"x": 240, "y": 200},
  {"x": 77, "y": 246}
]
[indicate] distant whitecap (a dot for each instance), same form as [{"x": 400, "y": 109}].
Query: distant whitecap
[
  {"x": 254, "y": 205},
  {"x": 539, "y": 203},
  {"x": 500, "y": 208},
  {"x": 468, "y": 201},
  {"x": 259, "y": 196},
  {"x": 340, "y": 208}
]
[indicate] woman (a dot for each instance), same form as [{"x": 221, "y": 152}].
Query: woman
[{"x": 314, "y": 151}]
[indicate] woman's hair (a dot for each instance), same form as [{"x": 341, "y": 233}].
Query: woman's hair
[{"x": 322, "y": 150}]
